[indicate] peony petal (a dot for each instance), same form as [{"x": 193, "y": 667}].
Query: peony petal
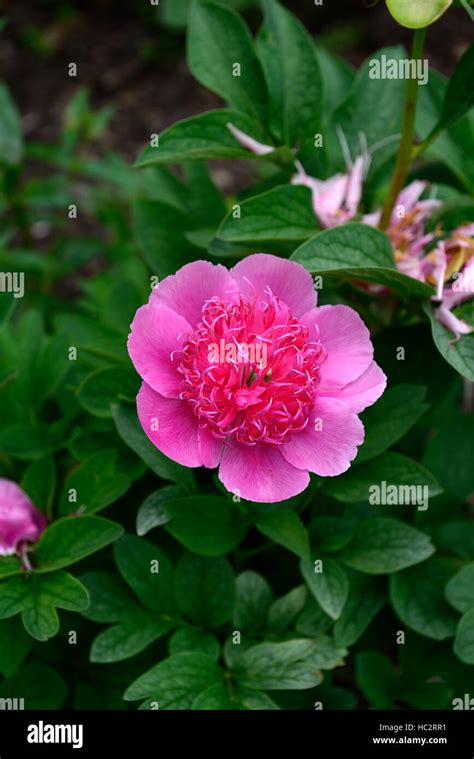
[
  {"x": 372, "y": 219},
  {"x": 287, "y": 280},
  {"x": 354, "y": 185},
  {"x": 210, "y": 448},
  {"x": 329, "y": 449},
  {"x": 409, "y": 196},
  {"x": 365, "y": 390},
  {"x": 259, "y": 148},
  {"x": 260, "y": 474},
  {"x": 332, "y": 194},
  {"x": 457, "y": 326},
  {"x": 186, "y": 291},
  {"x": 156, "y": 335},
  {"x": 346, "y": 340},
  {"x": 170, "y": 425}
]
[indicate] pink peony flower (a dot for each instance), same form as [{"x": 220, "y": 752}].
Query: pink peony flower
[
  {"x": 241, "y": 371},
  {"x": 20, "y": 521}
]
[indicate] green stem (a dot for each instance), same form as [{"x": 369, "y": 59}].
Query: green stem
[{"x": 404, "y": 157}]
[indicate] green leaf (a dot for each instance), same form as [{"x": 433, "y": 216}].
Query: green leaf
[
  {"x": 382, "y": 546},
  {"x": 283, "y": 611},
  {"x": 110, "y": 599},
  {"x": 9, "y": 565},
  {"x": 106, "y": 386},
  {"x": 11, "y": 146},
  {"x": 330, "y": 586},
  {"x": 128, "y": 638},
  {"x": 459, "y": 354},
  {"x": 454, "y": 432},
  {"x": 96, "y": 484},
  {"x": 91, "y": 336},
  {"x": 38, "y": 685},
  {"x": 279, "y": 666},
  {"x": 459, "y": 97},
  {"x": 207, "y": 525},
  {"x": 71, "y": 539},
  {"x": 293, "y": 76},
  {"x": 15, "y": 644},
  {"x": 175, "y": 682},
  {"x": 283, "y": 213},
  {"x": 285, "y": 527},
  {"x": 152, "y": 513},
  {"x": 369, "y": 94},
  {"x": 220, "y": 697},
  {"x": 365, "y": 482},
  {"x": 464, "y": 640},
  {"x": 37, "y": 597},
  {"x": 418, "y": 599},
  {"x": 313, "y": 620},
  {"x": 130, "y": 431},
  {"x": 147, "y": 570},
  {"x": 193, "y": 577},
  {"x": 453, "y": 146},
  {"x": 331, "y": 534},
  {"x": 357, "y": 251},
  {"x": 455, "y": 537},
  {"x": 160, "y": 232},
  {"x": 376, "y": 679},
  {"x": 460, "y": 589},
  {"x": 252, "y": 602},
  {"x": 205, "y": 202},
  {"x": 218, "y": 39},
  {"x": 366, "y": 598},
  {"x": 390, "y": 418},
  {"x": 201, "y": 138},
  {"x": 419, "y": 14},
  {"x": 338, "y": 77},
  {"x": 8, "y": 304},
  {"x": 192, "y": 639},
  {"x": 39, "y": 481}
]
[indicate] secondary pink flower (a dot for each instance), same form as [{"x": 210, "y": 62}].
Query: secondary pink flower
[
  {"x": 336, "y": 200},
  {"x": 451, "y": 271},
  {"x": 20, "y": 521},
  {"x": 242, "y": 372}
]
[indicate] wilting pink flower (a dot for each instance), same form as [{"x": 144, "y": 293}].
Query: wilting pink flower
[
  {"x": 451, "y": 271},
  {"x": 20, "y": 521},
  {"x": 336, "y": 200},
  {"x": 265, "y": 423},
  {"x": 407, "y": 224}
]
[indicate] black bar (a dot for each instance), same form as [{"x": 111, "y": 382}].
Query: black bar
[{"x": 318, "y": 734}]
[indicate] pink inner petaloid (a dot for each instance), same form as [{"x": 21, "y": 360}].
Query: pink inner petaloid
[{"x": 236, "y": 398}]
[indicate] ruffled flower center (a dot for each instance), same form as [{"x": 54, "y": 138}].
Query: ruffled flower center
[{"x": 249, "y": 371}]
